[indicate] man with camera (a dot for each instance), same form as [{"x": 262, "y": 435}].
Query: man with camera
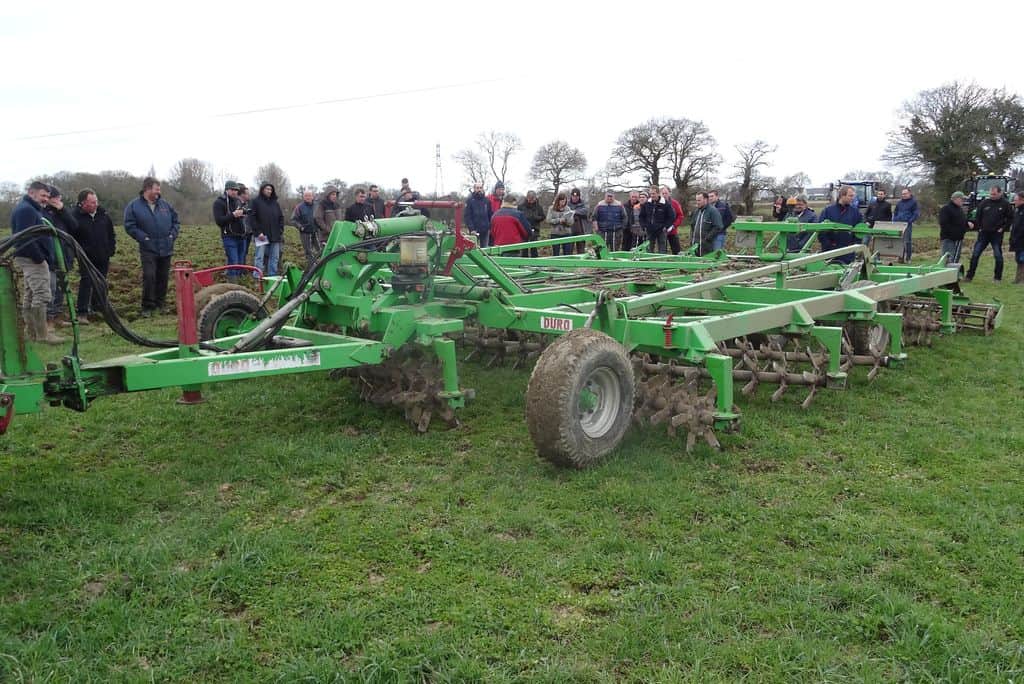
[{"x": 229, "y": 215}]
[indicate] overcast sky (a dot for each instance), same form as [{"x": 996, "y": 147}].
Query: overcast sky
[{"x": 95, "y": 86}]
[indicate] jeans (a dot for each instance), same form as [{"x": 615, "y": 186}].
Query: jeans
[
  {"x": 656, "y": 237},
  {"x": 564, "y": 249},
  {"x": 56, "y": 305},
  {"x": 908, "y": 242},
  {"x": 87, "y": 300},
  {"x": 484, "y": 237},
  {"x": 1019, "y": 257},
  {"x": 613, "y": 238},
  {"x": 984, "y": 240},
  {"x": 267, "y": 258},
  {"x": 952, "y": 248},
  {"x": 155, "y": 271},
  {"x": 234, "y": 251},
  {"x": 719, "y": 242}
]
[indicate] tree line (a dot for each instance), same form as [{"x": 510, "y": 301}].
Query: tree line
[{"x": 942, "y": 137}]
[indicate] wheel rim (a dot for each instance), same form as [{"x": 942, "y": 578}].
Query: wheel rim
[
  {"x": 228, "y": 322},
  {"x": 878, "y": 338},
  {"x": 599, "y": 401}
]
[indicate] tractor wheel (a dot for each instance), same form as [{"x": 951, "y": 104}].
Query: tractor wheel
[
  {"x": 579, "y": 401},
  {"x": 206, "y": 294},
  {"x": 867, "y": 338},
  {"x": 226, "y": 313}
]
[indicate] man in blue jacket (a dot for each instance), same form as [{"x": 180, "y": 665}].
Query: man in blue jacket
[
  {"x": 153, "y": 223},
  {"x": 842, "y": 211},
  {"x": 907, "y": 212},
  {"x": 804, "y": 214},
  {"x": 33, "y": 260},
  {"x": 477, "y": 215}
]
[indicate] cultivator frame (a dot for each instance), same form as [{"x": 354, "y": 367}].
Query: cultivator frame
[{"x": 676, "y": 332}]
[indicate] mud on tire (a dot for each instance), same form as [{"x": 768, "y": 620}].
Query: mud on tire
[
  {"x": 579, "y": 401},
  {"x": 206, "y": 294}
]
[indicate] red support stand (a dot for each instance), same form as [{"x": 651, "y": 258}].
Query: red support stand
[{"x": 188, "y": 335}]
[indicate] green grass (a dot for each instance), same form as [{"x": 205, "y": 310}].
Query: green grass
[{"x": 285, "y": 531}]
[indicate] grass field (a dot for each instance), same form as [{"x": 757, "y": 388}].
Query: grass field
[{"x": 285, "y": 531}]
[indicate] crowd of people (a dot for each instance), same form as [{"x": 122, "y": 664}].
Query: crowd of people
[{"x": 499, "y": 218}]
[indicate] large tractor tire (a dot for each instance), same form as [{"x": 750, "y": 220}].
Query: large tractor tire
[
  {"x": 206, "y": 294},
  {"x": 579, "y": 401},
  {"x": 226, "y": 314}
]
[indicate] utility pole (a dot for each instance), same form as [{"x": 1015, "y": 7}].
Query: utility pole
[{"x": 438, "y": 172}]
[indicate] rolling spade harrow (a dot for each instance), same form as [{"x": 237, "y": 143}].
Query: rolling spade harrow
[{"x": 615, "y": 338}]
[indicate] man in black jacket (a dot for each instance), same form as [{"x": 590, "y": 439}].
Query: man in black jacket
[
  {"x": 229, "y": 215},
  {"x": 60, "y": 216},
  {"x": 656, "y": 215},
  {"x": 375, "y": 203},
  {"x": 94, "y": 231},
  {"x": 358, "y": 210},
  {"x": 879, "y": 210},
  {"x": 953, "y": 225},
  {"x": 1017, "y": 236},
  {"x": 994, "y": 218}
]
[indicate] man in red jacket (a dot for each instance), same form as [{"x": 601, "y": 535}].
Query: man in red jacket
[
  {"x": 673, "y": 232},
  {"x": 509, "y": 226}
]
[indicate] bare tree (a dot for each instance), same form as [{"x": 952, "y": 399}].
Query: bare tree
[
  {"x": 956, "y": 131},
  {"x": 643, "y": 149},
  {"x": 753, "y": 156},
  {"x": 793, "y": 184},
  {"x": 556, "y": 164},
  {"x": 497, "y": 147},
  {"x": 192, "y": 177},
  {"x": 691, "y": 152},
  {"x": 473, "y": 165},
  {"x": 275, "y": 175}
]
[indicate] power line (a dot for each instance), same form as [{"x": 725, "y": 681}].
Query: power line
[{"x": 265, "y": 110}]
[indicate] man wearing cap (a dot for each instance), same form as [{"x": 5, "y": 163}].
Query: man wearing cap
[
  {"x": 608, "y": 219},
  {"x": 229, "y": 216},
  {"x": 327, "y": 211},
  {"x": 953, "y": 225},
  {"x": 32, "y": 259},
  {"x": 508, "y": 225},
  {"x": 496, "y": 196},
  {"x": 60, "y": 217}
]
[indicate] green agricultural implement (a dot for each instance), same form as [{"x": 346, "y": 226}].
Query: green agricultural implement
[{"x": 616, "y": 338}]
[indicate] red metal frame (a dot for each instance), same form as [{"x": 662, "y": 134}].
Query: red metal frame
[
  {"x": 188, "y": 334},
  {"x": 204, "y": 277}
]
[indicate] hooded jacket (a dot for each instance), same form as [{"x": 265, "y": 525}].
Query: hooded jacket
[
  {"x": 477, "y": 213},
  {"x": 96, "y": 234},
  {"x": 267, "y": 217},
  {"x": 952, "y": 222},
  {"x": 534, "y": 213},
  {"x": 154, "y": 229},
  {"x": 326, "y": 213},
  {"x": 906, "y": 211},
  {"x": 726, "y": 212},
  {"x": 223, "y": 216},
  {"x": 28, "y": 213},
  {"x": 1017, "y": 233}
]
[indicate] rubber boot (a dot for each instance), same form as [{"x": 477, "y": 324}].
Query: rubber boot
[
  {"x": 44, "y": 333},
  {"x": 28, "y": 320}
]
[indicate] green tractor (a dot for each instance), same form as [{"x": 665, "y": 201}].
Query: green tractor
[{"x": 979, "y": 187}]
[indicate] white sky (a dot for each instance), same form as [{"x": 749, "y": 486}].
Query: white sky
[{"x": 821, "y": 81}]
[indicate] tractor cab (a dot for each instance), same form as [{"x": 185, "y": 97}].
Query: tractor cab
[{"x": 979, "y": 187}]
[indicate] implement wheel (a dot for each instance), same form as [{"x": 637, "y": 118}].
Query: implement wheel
[
  {"x": 229, "y": 314},
  {"x": 206, "y": 295},
  {"x": 579, "y": 402},
  {"x": 867, "y": 338}
]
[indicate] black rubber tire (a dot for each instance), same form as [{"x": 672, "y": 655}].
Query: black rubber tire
[
  {"x": 867, "y": 338},
  {"x": 206, "y": 294},
  {"x": 583, "y": 363},
  {"x": 226, "y": 310}
]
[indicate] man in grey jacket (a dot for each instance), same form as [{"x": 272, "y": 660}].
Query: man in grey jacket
[{"x": 706, "y": 226}]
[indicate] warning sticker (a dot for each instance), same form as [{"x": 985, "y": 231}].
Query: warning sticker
[{"x": 262, "y": 364}]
